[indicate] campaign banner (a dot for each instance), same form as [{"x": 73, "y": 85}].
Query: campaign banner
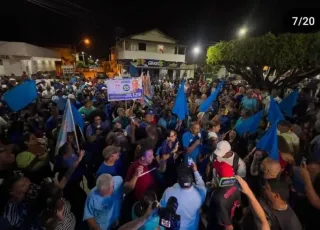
[{"x": 124, "y": 89}]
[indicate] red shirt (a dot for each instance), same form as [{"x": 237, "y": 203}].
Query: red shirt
[{"x": 144, "y": 182}]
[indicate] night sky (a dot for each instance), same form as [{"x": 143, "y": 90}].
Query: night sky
[{"x": 190, "y": 22}]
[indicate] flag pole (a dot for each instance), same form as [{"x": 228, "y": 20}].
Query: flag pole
[{"x": 74, "y": 127}]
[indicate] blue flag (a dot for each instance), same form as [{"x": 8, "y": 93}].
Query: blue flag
[
  {"x": 289, "y": 102},
  {"x": 180, "y": 107},
  {"x": 77, "y": 117},
  {"x": 21, "y": 95},
  {"x": 67, "y": 125},
  {"x": 213, "y": 96},
  {"x": 249, "y": 125},
  {"x": 274, "y": 114},
  {"x": 269, "y": 142}
]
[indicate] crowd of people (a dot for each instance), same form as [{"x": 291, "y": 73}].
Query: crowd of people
[{"x": 137, "y": 166}]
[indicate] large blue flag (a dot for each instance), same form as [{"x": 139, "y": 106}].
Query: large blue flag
[
  {"x": 21, "y": 96},
  {"x": 77, "y": 117},
  {"x": 289, "y": 102},
  {"x": 180, "y": 107},
  {"x": 67, "y": 125},
  {"x": 213, "y": 96},
  {"x": 269, "y": 142},
  {"x": 274, "y": 114},
  {"x": 250, "y": 125}
]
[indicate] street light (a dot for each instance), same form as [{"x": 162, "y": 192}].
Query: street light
[
  {"x": 196, "y": 50},
  {"x": 86, "y": 41},
  {"x": 242, "y": 32}
]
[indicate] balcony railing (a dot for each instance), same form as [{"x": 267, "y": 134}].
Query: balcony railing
[{"x": 151, "y": 55}]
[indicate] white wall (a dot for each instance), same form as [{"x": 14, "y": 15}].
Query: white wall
[
  {"x": 12, "y": 66},
  {"x": 151, "y": 55}
]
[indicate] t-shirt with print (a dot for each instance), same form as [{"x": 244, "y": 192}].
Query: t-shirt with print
[
  {"x": 224, "y": 201},
  {"x": 105, "y": 210},
  {"x": 145, "y": 182}
]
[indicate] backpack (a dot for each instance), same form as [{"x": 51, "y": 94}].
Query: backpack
[{"x": 235, "y": 164}]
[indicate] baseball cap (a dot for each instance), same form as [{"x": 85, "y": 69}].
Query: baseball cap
[
  {"x": 149, "y": 112},
  {"x": 212, "y": 135},
  {"x": 71, "y": 96},
  {"x": 103, "y": 88},
  {"x": 109, "y": 150},
  {"x": 222, "y": 148}
]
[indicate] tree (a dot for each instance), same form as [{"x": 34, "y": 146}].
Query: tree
[
  {"x": 80, "y": 64},
  {"x": 270, "y": 61}
]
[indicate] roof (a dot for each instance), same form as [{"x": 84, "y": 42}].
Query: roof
[
  {"x": 152, "y": 35},
  {"x": 25, "y": 49}
]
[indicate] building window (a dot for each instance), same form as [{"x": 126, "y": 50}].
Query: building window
[
  {"x": 160, "y": 49},
  {"x": 134, "y": 47},
  {"x": 179, "y": 50},
  {"x": 142, "y": 46},
  {"x": 1, "y": 63}
]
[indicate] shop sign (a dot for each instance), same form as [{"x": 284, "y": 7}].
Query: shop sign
[{"x": 151, "y": 63}]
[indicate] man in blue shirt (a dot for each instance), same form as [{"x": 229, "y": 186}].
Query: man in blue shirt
[
  {"x": 102, "y": 207},
  {"x": 111, "y": 164},
  {"x": 190, "y": 196},
  {"x": 191, "y": 142}
]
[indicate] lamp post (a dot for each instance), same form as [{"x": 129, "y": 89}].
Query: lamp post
[
  {"x": 87, "y": 42},
  {"x": 196, "y": 51}
]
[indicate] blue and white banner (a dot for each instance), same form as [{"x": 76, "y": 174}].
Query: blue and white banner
[{"x": 125, "y": 89}]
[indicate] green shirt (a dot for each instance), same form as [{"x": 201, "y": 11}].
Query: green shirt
[{"x": 86, "y": 112}]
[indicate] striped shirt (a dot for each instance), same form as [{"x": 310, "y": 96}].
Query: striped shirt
[{"x": 69, "y": 220}]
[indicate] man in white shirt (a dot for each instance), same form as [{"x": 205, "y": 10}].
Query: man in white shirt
[
  {"x": 47, "y": 94},
  {"x": 225, "y": 154}
]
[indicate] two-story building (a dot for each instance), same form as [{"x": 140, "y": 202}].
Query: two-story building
[{"x": 151, "y": 51}]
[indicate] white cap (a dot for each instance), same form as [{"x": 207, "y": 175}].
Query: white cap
[
  {"x": 103, "y": 88},
  {"x": 4, "y": 86},
  {"x": 12, "y": 79},
  {"x": 222, "y": 148},
  {"x": 71, "y": 96},
  {"x": 212, "y": 135}
]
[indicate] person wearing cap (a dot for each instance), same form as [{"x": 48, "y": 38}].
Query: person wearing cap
[
  {"x": 225, "y": 198},
  {"x": 291, "y": 138},
  {"x": 279, "y": 213},
  {"x": 224, "y": 153},
  {"x": 111, "y": 164},
  {"x": 189, "y": 193}
]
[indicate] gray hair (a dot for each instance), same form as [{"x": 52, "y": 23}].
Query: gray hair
[{"x": 104, "y": 181}]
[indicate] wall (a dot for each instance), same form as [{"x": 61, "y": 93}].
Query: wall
[
  {"x": 151, "y": 55},
  {"x": 151, "y": 47},
  {"x": 12, "y": 66}
]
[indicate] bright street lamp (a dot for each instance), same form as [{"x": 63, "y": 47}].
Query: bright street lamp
[
  {"x": 86, "y": 41},
  {"x": 242, "y": 32},
  {"x": 196, "y": 50}
]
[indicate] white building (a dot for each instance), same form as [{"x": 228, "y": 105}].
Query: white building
[
  {"x": 153, "y": 51},
  {"x": 16, "y": 57}
]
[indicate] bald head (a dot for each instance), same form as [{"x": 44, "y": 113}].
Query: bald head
[{"x": 271, "y": 168}]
